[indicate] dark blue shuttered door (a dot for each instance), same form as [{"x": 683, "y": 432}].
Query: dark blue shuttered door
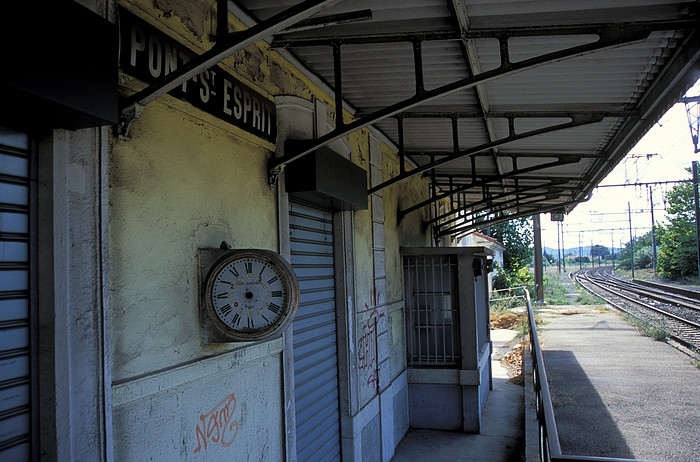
[
  {"x": 15, "y": 368},
  {"x": 315, "y": 341}
]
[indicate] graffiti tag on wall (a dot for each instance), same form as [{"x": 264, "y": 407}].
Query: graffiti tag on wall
[
  {"x": 367, "y": 351},
  {"x": 367, "y": 362},
  {"x": 217, "y": 425}
]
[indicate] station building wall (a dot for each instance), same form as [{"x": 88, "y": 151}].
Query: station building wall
[{"x": 186, "y": 180}]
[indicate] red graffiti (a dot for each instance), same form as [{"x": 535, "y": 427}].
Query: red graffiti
[{"x": 217, "y": 425}]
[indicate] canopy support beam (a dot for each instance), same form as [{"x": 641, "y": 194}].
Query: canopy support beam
[{"x": 607, "y": 38}]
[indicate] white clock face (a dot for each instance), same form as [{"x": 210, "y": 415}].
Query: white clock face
[{"x": 249, "y": 295}]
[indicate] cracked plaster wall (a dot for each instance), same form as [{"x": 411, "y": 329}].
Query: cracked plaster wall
[{"x": 186, "y": 180}]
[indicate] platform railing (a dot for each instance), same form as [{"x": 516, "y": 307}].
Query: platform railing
[
  {"x": 508, "y": 295},
  {"x": 549, "y": 447}
]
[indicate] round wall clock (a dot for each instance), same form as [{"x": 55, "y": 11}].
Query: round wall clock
[{"x": 251, "y": 294}]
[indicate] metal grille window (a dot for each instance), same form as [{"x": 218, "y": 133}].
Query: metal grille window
[{"x": 432, "y": 312}]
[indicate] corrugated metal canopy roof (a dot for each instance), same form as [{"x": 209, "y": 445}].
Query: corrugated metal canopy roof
[{"x": 516, "y": 107}]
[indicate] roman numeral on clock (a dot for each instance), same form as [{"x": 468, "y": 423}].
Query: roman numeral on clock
[
  {"x": 226, "y": 309},
  {"x": 249, "y": 267},
  {"x": 275, "y": 308},
  {"x": 233, "y": 271},
  {"x": 222, "y": 295},
  {"x": 276, "y": 293},
  {"x": 236, "y": 319},
  {"x": 272, "y": 280}
]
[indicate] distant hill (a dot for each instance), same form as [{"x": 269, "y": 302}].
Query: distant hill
[{"x": 573, "y": 251}]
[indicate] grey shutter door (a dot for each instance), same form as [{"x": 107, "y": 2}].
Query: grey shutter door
[
  {"x": 314, "y": 330},
  {"x": 15, "y": 364}
]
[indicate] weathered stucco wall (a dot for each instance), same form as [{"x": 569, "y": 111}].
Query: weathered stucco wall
[
  {"x": 177, "y": 185},
  {"x": 187, "y": 180},
  {"x": 214, "y": 409}
]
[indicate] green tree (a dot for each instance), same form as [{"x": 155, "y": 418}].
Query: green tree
[
  {"x": 599, "y": 252},
  {"x": 642, "y": 253},
  {"x": 516, "y": 236},
  {"x": 677, "y": 253}
]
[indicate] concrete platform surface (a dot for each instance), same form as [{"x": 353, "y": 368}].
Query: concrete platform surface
[
  {"x": 617, "y": 393},
  {"x": 502, "y": 435}
]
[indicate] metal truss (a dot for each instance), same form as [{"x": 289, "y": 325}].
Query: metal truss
[
  {"x": 486, "y": 181},
  {"x": 620, "y": 29},
  {"x": 692, "y": 109},
  {"x": 493, "y": 218},
  {"x": 576, "y": 121},
  {"x": 549, "y": 187},
  {"x": 448, "y": 180},
  {"x": 679, "y": 74},
  {"x": 227, "y": 43},
  {"x": 522, "y": 206},
  {"x": 609, "y": 36}
]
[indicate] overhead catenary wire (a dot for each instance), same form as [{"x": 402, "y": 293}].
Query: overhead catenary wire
[{"x": 653, "y": 183}]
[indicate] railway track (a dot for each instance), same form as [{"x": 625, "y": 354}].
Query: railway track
[{"x": 675, "y": 310}]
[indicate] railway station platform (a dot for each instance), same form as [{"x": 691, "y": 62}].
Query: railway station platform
[
  {"x": 617, "y": 393},
  {"x": 502, "y": 434}
]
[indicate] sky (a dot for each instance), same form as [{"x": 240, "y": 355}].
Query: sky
[{"x": 662, "y": 154}]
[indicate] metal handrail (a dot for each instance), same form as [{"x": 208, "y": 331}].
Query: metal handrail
[
  {"x": 509, "y": 298},
  {"x": 550, "y": 448},
  {"x": 510, "y": 289}
]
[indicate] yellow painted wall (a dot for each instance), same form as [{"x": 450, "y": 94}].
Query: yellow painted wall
[
  {"x": 186, "y": 180},
  {"x": 177, "y": 185}
]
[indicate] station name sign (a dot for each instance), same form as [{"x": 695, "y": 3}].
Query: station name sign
[{"x": 149, "y": 55}]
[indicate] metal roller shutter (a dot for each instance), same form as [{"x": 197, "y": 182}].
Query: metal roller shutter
[
  {"x": 315, "y": 341},
  {"x": 15, "y": 364}
]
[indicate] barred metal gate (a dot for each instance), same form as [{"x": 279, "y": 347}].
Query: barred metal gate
[
  {"x": 314, "y": 330},
  {"x": 432, "y": 313},
  {"x": 15, "y": 307}
]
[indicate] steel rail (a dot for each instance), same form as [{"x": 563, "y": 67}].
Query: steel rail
[
  {"x": 656, "y": 295},
  {"x": 579, "y": 277},
  {"x": 645, "y": 305}
]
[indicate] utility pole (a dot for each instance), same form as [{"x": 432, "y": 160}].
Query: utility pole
[
  {"x": 629, "y": 213},
  {"x": 612, "y": 248},
  {"x": 539, "y": 276},
  {"x": 653, "y": 227},
  {"x": 563, "y": 248},
  {"x": 697, "y": 211},
  {"x": 558, "y": 249},
  {"x": 579, "y": 252}
]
